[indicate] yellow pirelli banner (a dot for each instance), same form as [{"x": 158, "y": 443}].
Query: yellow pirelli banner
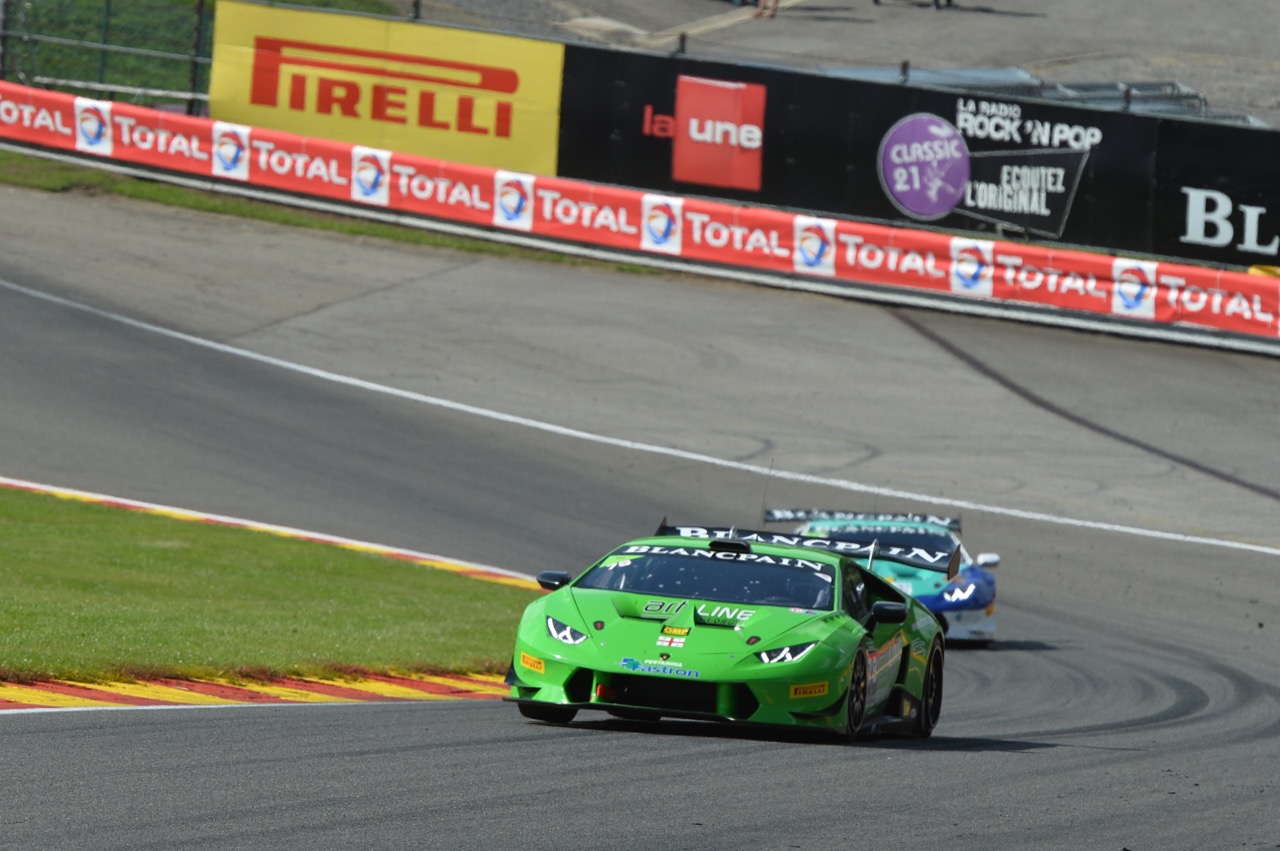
[{"x": 466, "y": 97}]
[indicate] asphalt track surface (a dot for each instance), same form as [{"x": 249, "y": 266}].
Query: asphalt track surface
[{"x": 1131, "y": 701}]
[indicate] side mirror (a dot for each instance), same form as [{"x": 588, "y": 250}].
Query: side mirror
[
  {"x": 887, "y": 611},
  {"x": 553, "y": 579},
  {"x": 988, "y": 560}
]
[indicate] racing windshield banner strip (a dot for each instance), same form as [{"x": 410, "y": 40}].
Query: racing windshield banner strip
[
  {"x": 726, "y": 234},
  {"x": 942, "y": 561}
]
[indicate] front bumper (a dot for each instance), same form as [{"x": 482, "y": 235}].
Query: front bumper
[{"x": 810, "y": 701}]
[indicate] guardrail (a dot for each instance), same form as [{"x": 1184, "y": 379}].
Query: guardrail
[{"x": 1072, "y": 288}]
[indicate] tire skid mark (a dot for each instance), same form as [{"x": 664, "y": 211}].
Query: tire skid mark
[{"x": 1049, "y": 407}]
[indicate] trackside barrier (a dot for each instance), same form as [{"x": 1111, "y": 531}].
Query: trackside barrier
[{"x": 681, "y": 228}]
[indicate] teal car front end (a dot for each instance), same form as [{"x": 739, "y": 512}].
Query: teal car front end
[
  {"x": 729, "y": 626},
  {"x": 965, "y": 604}
]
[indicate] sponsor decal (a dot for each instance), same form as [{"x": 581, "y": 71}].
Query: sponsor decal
[
  {"x": 861, "y": 255},
  {"x": 704, "y": 229},
  {"x": 1209, "y": 222},
  {"x": 924, "y": 166},
  {"x": 513, "y": 200},
  {"x": 1192, "y": 301},
  {"x": 1133, "y": 292},
  {"x": 723, "y": 555},
  {"x": 660, "y": 228},
  {"x": 972, "y": 267},
  {"x": 230, "y": 151},
  {"x": 675, "y": 630},
  {"x": 717, "y": 132},
  {"x": 370, "y": 175},
  {"x": 297, "y": 164},
  {"x": 814, "y": 240},
  {"x": 129, "y": 133},
  {"x": 957, "y": 594},
  {"x": 556, "y": 207},
  {"x": 713, "y": 614},
  {"x": 457, "y": 95},
  {"x": 846, "y": 547},
  {"x": 93, "y": 127},
  {"x": 650, "y": 666},
  {"x": 799, "y": 692},
  {"x": 437, "y": 189},
  {"x": 533, "y": 663},
  {"x": 1029, "y": 180},
  {"x": 32, "y": 117},
  {"x": 670, "y": 641}
]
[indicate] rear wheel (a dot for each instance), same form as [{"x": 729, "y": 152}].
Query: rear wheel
[
  {"x": 856, "y": 700},
  {"x": 548, "y": 712},
  {"x": 930, "y": 695}
]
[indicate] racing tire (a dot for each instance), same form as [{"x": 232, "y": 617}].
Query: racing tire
[
  {"x": 548, "y": 712},
  {"x": 930, "y": 695},
  {"x": 855, "y": 703}
]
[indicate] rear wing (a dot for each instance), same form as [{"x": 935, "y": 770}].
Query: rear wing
[
  {"x": 800, "y": 515},
  {"x": 940, "y": 561}
]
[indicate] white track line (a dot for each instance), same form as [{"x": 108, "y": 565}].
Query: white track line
[{"x": 551, "y": 428}]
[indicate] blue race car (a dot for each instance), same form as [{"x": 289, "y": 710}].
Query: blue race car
[{"x": 966, "y": 605}]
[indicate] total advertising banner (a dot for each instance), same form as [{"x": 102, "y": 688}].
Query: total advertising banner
[
  {"x": 451, "y": 94},
  {"x": 664, "y": 225}
]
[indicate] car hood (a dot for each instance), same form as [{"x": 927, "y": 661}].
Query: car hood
[{"x": 644, "y": 620}]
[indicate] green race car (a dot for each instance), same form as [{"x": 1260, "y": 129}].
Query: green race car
[{"x": 737, "y": 626}]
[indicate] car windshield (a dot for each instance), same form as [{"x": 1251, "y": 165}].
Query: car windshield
[{"x": 728, "y": 577}]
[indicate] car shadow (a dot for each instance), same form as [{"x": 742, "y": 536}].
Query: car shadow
[
  {"x": 1000, "y": 645},
  {"x": 784, "y": 735}
]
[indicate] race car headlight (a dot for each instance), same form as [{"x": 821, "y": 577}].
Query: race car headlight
[
  {"x": 564, "y": 632},
  {"x": 794, "y": 653}
]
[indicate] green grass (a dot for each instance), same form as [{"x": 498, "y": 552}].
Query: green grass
[{"x": 92, "y": 593}]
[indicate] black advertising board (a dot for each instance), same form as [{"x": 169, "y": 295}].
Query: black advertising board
[
  {"x": 910, "y": 156},
  {"x": 1217, "y": 193}
]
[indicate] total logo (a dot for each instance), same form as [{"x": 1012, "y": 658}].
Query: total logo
[
  {"x": 93, "y": 127},
  {"x": 513, "y": 200},
  {"x": 717, "y": 132},
  {"x": 972, "y": 267},
  {"x": 1133, "y": 293},
  {"x": 661, "y": 229},
  {"x": 370, "y": 170},
  {"x": 815, "y": 252},
  {"x": 230, "y": 151}
]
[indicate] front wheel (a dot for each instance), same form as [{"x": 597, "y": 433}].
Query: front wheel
[
  {"x": 930, "y": 695},
  {"x": 856, "y": 700},
  {"x": 548, "y": 712}
]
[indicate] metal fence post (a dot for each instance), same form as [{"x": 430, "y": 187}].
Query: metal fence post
[
  {"x": 106, "y": 27},
  {"x": 192, "y": 109},
  {"x": 4, "y": 40}
]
